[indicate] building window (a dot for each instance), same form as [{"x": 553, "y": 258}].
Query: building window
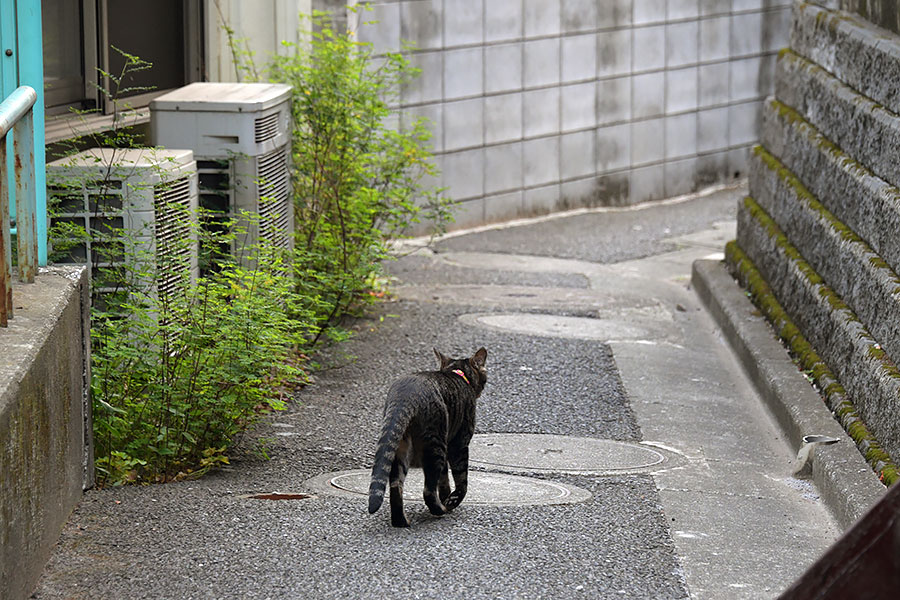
[{"x": 79, "y": 37}]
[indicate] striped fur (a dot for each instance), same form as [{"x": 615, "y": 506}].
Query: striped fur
[{"x": 429, "y": 419}]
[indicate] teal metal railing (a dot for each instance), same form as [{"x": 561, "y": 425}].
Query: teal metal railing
[{"x": 17, "y": 115}]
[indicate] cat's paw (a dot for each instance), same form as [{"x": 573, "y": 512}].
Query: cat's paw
[
  {"x": 399, "y": 521},
  {"x": 454, "y": 500}
]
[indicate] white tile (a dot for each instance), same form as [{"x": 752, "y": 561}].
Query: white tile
[
  {"x": 613, "y": 100},
  {"x": 682, "y": 9},
  {"x": 776, "y": 29},
  {"x": 469, "y": 213},
  {"x": 712, "y": 129},
  {"x": 541, "y": 200},
  {"x": 463, "y": 173},
  {"x": 647, "y": 183},
  {"x": 648, "y": 11},
  {"x": 647, "y": 141},
  {"x": 714, "y": 84},
  {"x": 681, "y": 90},
  {"x": 578, "y": 15},
  {"x": 648, "y": 94},
  {"x": 540, "y": 110},
  {"x": 613, "y": 13},
  {"x": 579, "y": 57},
  {"x": 614, "y": 52},
  {"x": 462, "y": 73},
  {"x": 715, "y": 38},
  {"x": 746, "y": 34},
  {"x": 737, "y": 162},
  {"x": 681, "y": 136},
  {"x": 746, "y": 75},
  {"x": 502, "y": 167},
  {"x": 744, "y": 123},
  {"x": 428, "y": 86},
  {"x": 502, "y": 68},
  {"x": 742, "y": 5},
  {"x": 502, "y": 20},
  {"x": 463, "y": 22},
  {"x": 463, "y": 124},
  {"x": 432, "y": 118},
  {"x": 578, "y": 192},
  {"x": 540, "y": 161},
  {"x": 680, "y": 176},
  {"x": 541, "y": 18},
  {"x": 381, "y": 28},
  {"x": 649, "y": 48},
  {"x": 579, "y": 106},
  {"x": 503, "y": 207},
  {"x": 541, "y": 62},
  {"x": 421, "y": 23},
  {"x": 577, "y": 154},
  {"x": 711, "y": 168},
  {"x": 715, "y": 7},
  {"x": 502, "y": 118},
  {"x": 613, "y": 147},
  {"x": 682, "y": 43}
]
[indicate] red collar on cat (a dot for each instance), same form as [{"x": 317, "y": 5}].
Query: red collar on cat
[{"x": 461, "y": 374}]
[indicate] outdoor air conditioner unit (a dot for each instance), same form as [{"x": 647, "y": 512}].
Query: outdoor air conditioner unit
[
  {"x": 241, "y": 137},
  {"x": 147, "y": 194}
]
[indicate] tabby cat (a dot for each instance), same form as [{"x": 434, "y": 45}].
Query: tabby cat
[{"x": 429, "y": 418}]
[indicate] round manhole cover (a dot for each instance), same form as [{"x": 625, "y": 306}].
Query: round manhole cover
[
  {"x": 495, "y": 489},
  {"x": 544, "y": 453}
]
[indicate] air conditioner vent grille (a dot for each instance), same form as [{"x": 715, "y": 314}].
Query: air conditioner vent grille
[
  {"x": 274, "y": 196},
  {"x": 172, "y": 203},
  {"x": 267, "y": 127}
]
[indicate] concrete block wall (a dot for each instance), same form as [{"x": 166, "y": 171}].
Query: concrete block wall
[
  {"x": 821, "y": 224},
  {"x": 46, "y": 456},
  {"x": 543, "y": 105}
]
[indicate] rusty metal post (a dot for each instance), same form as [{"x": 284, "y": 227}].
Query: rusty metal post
[
  {"x": 5, "y": 249},
  {"x": 16, "y": 114},
  {"x": 26, "y": 210}
]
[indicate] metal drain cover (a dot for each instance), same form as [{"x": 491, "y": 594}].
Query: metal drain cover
[
  {"x": 493, "y": 489},
  {"x": 544, "y": 453}
]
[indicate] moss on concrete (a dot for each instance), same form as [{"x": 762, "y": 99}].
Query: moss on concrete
[{"x": 808, "y": 359}]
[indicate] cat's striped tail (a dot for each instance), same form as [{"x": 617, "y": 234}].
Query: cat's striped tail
[{"x": 392, "y": 432}]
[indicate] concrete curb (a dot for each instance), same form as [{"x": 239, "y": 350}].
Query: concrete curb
[
  {"x": 826, "y": 321},
  {"x": 847, "y": 483}
]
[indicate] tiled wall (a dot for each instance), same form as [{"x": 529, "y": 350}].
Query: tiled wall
[{"x": 541, "y": 105}]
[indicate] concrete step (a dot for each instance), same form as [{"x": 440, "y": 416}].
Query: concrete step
[
  {"x": 862, "y": 128},
  {"x": 845, "y": 262},
  {"x": 828, "y": 323},
  {"x": 861, "y": 55},
  {"x": 857, "y": 197}
]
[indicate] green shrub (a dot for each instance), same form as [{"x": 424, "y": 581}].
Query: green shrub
[{"x": 358, "y": 181}]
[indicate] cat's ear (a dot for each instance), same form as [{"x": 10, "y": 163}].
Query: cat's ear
[
  {"x": 479, "y": 358},
  {"x": 443, "y": 361}
]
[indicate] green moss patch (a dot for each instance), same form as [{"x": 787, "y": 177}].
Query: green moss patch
[{"x": 809, "y": 361}]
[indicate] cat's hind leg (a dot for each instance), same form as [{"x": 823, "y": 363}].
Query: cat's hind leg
[
  {"x": 444, "y": 485},
  {"x": 459, "y": 464},
  {"x": 434, "y": 468},
  {"x": 399, "y": 468}
]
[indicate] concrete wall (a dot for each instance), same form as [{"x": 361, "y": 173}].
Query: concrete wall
[
  {"x": 821, "y": 225},
  {"x": 46, "y": 458},
  {"x": 541, "y": 105},
  {"x": 264, "y": 24}
]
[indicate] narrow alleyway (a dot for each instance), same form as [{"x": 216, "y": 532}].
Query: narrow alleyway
[{"x": 596, "y": 342}]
